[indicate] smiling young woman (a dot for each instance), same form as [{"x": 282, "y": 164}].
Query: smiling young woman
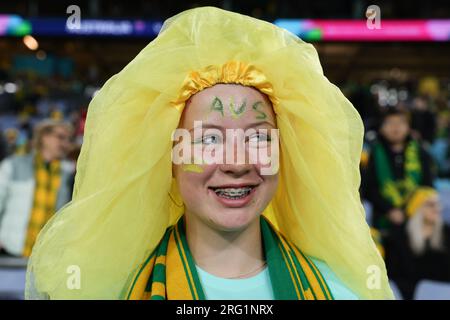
[{"x": 143, "y": 226}]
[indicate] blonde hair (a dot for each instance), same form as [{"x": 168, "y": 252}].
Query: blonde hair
[{"x": 416, "y": 237}]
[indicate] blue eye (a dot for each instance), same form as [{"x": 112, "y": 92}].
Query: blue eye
[
  {"x": 259, "y": 137},
  {"x": 209, "y": 139}
]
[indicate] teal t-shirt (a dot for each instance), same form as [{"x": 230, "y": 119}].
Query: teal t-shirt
[{"x": 259, "y": 286}]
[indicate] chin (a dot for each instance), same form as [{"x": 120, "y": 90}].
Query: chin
[{"x": 233, "y": 219}]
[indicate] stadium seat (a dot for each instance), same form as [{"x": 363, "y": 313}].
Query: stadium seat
[
  {"x": 395, "y": 290},
  {"x": 12, "y": 278},
  {"x": 7, "y": 122},
  {"x": 432, "y": 290},
  {"x": 443, "y": 187},
  {"x": 368, "y": 209}
]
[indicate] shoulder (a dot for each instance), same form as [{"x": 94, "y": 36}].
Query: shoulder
[
  {"x": 339, "y": 290},
  {"x": 17, "y": 162},
  {"x": 68, "y": 166},
  {"x": 20, "y": 159}
]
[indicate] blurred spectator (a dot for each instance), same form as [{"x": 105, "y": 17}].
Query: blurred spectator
[
  {"x": 34, "y": 186},
  {"x": 3, "y": 148},
  {"x": 421, "y": 250},
  {"x": 445, "y": 169},
  {"x": 397, "y": 165},
  {"x": 423, "y": 119},
  {"x": 11, "y": 141},
  {"x": 441, "y": 145}
]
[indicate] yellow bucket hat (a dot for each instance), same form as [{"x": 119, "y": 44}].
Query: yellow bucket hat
[{"x": 418, "y": 198}]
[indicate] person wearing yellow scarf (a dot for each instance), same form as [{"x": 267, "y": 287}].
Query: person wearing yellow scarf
[
  {"x": 142, "y": 227},
  {"x": 48, "y": 181},
  {"x": 398, "y": 164}
]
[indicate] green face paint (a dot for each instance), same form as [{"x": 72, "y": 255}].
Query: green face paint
[
  {"x": 261, "y": 115},
  {"x": 192, "y": 168},
  {"x": 237, "y": 112},
  {"x": 217, "y": 105}
]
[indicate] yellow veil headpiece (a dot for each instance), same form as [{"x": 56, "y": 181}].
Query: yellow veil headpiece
[{"x": 125, "y": 197}]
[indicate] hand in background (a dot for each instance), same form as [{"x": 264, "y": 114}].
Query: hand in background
[{"x": 396, "y": 216}]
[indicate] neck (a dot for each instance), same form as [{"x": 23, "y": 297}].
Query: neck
[
  {"x": 398, "y": 146},
  {"x": 225, "y": 254}
]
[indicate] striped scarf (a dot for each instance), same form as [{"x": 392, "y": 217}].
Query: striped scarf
[
  {"x": 170, "y": 272},
  {"x": 396, "y": 192},
  {"x": 48, "y": 180}
]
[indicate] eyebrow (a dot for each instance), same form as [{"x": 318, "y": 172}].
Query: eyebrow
[{"x": 252, "y": 125}]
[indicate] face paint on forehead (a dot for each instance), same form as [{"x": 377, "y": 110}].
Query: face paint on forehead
[
  {"x": 257, "y": 106},
  {"x": 217, "y": 105},
  {"x": 237, "y": 112}
]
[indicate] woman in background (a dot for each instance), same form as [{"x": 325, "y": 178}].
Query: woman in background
[{"x": 421, "y": 250}]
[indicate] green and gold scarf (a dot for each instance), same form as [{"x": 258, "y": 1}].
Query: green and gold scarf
[
  {"x": 48, "y": 181},
  {"x": 396, "y": 192},
  {"x": 170, "y": 272}
]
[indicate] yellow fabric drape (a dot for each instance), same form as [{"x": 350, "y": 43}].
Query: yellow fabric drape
[{"x": 125, "y": 196}]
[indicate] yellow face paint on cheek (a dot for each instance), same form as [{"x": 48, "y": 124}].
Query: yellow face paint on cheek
[{"x": 192, "y": 168}]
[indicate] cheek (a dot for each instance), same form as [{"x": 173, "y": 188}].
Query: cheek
[
  {"x": 272, "y": 183},
  {"x": 387, "y": 129},
  {"x": 429, "y": 213},
  {"x": 192, "y": 179},
  {"x": 45, "y": 141},
  {"x": 266, "y": 160},
  {"x": 267, "y": 192},
  {"x": 269, "y": 188}
]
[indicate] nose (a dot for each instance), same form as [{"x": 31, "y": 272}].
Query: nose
[{"x": 235, "y": 170}]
